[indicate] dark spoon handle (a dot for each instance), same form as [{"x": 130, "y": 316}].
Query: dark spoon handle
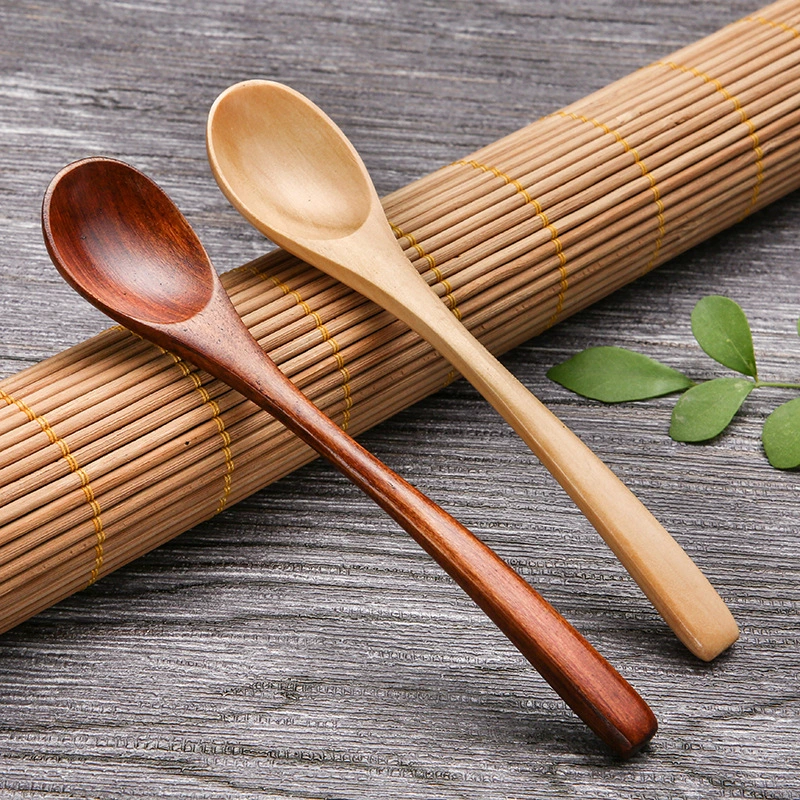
[
  {"x": 582, "y": 677},
  {"x": 122, "y": 243}
]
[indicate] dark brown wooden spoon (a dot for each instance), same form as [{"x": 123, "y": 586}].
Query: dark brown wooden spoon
[{"x": 119, "y": 240}]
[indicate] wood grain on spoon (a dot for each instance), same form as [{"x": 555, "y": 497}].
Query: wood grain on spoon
[
  {"x": 120, "y": 241},
  {"x": 294, "y": 175}
]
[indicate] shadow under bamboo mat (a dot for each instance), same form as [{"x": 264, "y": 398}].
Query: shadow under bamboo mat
[{"x": 113, "y": 447}]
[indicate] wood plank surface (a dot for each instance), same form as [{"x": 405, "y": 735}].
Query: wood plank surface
[{"x": 300, "y": 645}]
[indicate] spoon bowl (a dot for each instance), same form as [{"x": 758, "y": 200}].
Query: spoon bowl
[
  {"x": 271, "y": 149},
  {"x": 90, "y": 256},
  {"x": 317, "y": 189},
  {"x": 120, "y": 241}
]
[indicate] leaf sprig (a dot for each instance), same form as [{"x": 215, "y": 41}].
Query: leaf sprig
[{"x": 705, "y": 409}]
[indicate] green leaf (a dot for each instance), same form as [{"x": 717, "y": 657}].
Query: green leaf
[
  {"x": 614, "y": 375},
  {"x": 707, "y": 409},
  {"x": 781, "y": 436},
  {"x": 721, "y": 329}
]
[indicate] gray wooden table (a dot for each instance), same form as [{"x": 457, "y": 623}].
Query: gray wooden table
[{"x": 299, "y": 645}]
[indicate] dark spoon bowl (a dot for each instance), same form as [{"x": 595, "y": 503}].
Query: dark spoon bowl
[{"x": 84, "y": 228}]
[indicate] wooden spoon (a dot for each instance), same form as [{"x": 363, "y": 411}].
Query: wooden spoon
[
  {"x": 294, "y": 175},
  {"x": 121, "y": 242}
]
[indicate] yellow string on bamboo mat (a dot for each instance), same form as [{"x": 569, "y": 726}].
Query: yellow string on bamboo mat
[
  {"x": 438, "y": 274},
  {"x": 546, "y": 224},
  {"x": 75, "y": 469},
  {"x": 440, "y": 278},
  {"x": 326, "y": 337},
  {"x": 746, "y": 121},
  {"x": 216, "y": 415},
  {"x": 645, "y": 174},
  {"x": 774, "y": 24}
]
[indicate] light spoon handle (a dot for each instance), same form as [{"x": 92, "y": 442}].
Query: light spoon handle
[{"x": 673, "y": 583}]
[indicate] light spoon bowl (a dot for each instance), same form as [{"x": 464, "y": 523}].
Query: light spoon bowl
[
  {"x": 119, "y": 240},
  {"x": 290, "y": 171}
]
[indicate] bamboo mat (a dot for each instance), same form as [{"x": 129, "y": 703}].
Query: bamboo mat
[{"x": 113, "y": 447}]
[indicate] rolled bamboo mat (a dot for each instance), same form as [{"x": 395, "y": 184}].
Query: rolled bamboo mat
[{"x": 113, "y": 447}]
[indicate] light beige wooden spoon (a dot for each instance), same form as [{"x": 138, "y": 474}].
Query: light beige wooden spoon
[{"x": 294, "y": 175}]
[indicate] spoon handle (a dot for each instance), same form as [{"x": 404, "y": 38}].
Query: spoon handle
[
  {"x": 669, "y": 578},
  {"x": 579, "y": 674}
]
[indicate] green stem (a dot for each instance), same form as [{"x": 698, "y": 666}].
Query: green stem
[{"x": 759, "y": 384}]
